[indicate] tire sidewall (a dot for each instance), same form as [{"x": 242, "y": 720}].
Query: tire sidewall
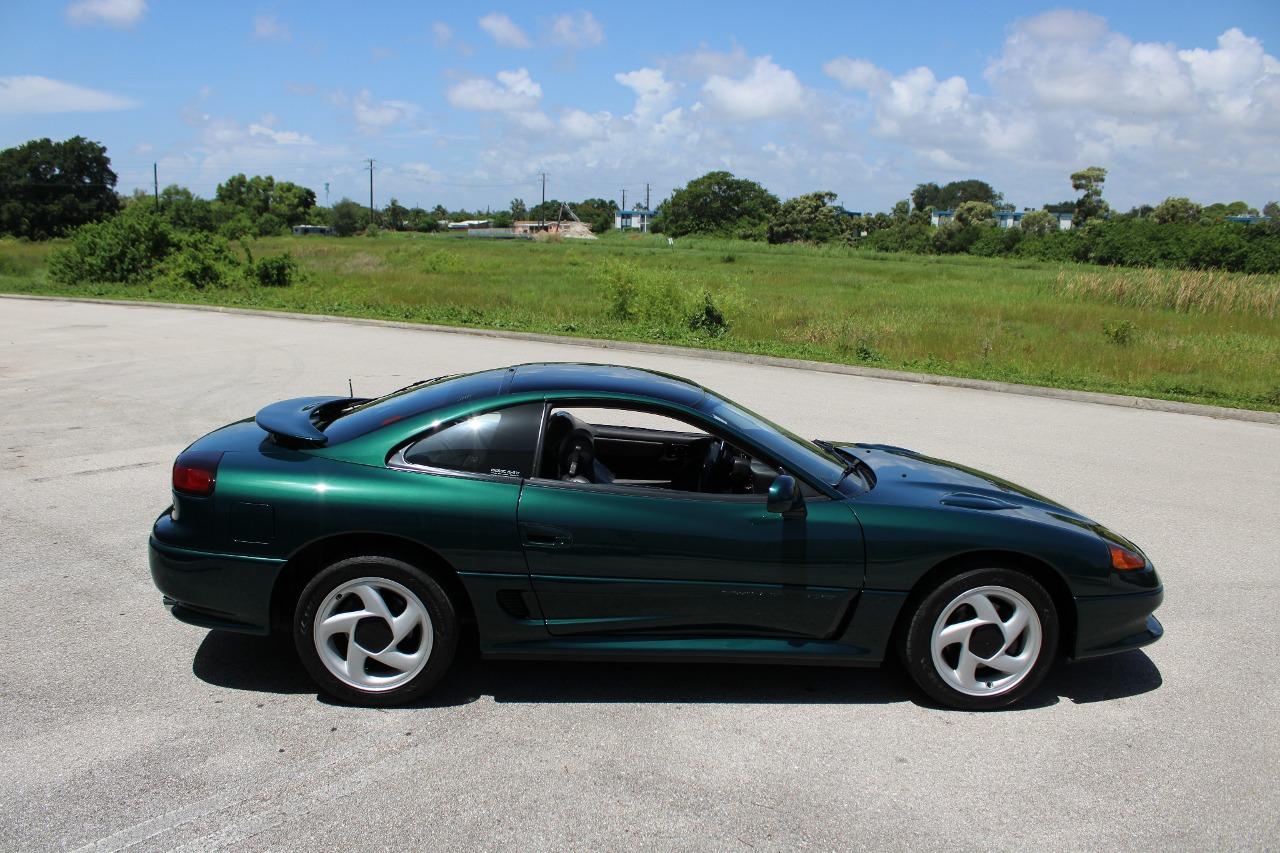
[
  {"x": 434, "y": 599},
  {"x": 917, "y": 652}
]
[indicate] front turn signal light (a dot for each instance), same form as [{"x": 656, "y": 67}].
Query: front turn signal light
[{"x": 1124, "y": 560}]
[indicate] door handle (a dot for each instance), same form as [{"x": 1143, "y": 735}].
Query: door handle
[{"x": 545, "y": 536}]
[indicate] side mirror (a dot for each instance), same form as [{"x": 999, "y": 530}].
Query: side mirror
[{"x": 785, "y": 497}]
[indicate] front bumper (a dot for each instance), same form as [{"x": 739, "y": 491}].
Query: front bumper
[
  {"x": 210, "y": 590},
  {"x": 1107, "y": 624}
]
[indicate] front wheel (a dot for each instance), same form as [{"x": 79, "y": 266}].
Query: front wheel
[
  {"x": 981, "y": 640},
  {"x": 375, "y": 630}
]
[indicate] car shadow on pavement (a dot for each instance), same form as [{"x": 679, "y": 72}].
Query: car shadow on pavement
[{"x": 270, "y": 665}]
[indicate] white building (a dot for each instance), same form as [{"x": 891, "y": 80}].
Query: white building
[
  {"x": 1004, "y": 218},
  {"x": 632, "y": 220}
]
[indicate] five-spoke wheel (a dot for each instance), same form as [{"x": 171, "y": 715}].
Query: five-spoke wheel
[
  {"x": 375, "y": 630},
  {"x": 981, "y": 639}
]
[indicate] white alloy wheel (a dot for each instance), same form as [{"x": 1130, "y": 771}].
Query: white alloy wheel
[
  {"x": 986, "y": 641},
  {"x": 373, "y": 634}
]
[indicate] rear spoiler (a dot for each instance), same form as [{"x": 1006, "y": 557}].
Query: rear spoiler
[{"x": 290, "y": 421}]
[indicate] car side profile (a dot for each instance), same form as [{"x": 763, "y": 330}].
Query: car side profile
[{"x": 602, "y": 512}]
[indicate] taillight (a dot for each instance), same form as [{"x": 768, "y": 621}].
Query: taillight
[
  {"x": 1124, "y": 560},
  {"x": 195, "y": 472}
]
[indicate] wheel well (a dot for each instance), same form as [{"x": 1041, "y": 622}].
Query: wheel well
[
  {"x": 1046, "y": 575},
  {"x": 304, "y": 565}
]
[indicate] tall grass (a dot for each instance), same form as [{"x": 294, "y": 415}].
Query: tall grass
[
  {"x": 1202, "y": 337},
  {"x": 1184, "y": 291}
]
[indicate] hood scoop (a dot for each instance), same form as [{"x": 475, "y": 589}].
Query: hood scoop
[{"x": 968, "y": 500}]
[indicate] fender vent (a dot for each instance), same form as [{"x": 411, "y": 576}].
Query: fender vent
[{"x": 513, "y": 604}]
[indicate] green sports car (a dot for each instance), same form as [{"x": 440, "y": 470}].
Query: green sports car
[{"x": 599, "y": 512}]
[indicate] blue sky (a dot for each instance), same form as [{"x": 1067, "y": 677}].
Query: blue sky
[{"x": 465, "y": 104}]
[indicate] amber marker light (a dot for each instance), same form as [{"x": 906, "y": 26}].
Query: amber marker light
[{"x": 1124, "y": 560}]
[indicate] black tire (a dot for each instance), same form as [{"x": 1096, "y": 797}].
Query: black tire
[
  {"x": 943, "y": 682},
  {"x": 395, "y": 576}
]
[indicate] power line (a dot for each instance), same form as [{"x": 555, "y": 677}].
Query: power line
[
  {"x": 370, "y": 161},
  {"x": 542, "y": 208}
]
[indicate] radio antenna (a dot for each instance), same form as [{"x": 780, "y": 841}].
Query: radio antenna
[{"x": 350, "y": 392}]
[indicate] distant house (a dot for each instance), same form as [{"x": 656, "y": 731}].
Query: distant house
[
  {"x": 1009, "y": 218},
  {"x": 464, "y": 225},
  {"x": 1004, "y": 218},
  {"x": 318, "y": 230},
  {"x": 1248, "y": 218},
  {"x": 633, "y": 220}
]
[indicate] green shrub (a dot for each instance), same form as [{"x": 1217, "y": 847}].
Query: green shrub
[
  {"x": 663, "y": 305},
  {"x": 199, "y": 261},
  {"x": 274, "y": 271},
  {"x": 1121, "y": 334},
  {"x": 709, "y": 319},
  {"x": 125, "y": 249}
]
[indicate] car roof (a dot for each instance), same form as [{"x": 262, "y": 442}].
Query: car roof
[{"x": 603, "y": 378}]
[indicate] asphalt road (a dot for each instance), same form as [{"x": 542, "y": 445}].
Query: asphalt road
[{"x": 120, "y": 727}]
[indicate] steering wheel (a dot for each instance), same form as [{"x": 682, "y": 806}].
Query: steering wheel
[
  {"x": 576, "y": 457},
  {"x": 710, "y": 465}
]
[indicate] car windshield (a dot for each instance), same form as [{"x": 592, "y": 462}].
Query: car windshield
[
  {"x": 779, "y": 441},
  {"x": 410, "y": 401}
]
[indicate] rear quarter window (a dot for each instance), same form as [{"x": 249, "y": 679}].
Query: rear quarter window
[{"x": 500, "y": 443}]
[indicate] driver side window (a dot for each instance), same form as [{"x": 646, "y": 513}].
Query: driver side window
[{"x": 640, "y": 449}]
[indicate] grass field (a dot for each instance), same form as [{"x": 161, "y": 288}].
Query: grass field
[{"x": 1201, "y": 337}]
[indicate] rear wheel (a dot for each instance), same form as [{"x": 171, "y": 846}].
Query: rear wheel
[
  {"x": 375, "y": 630},
  {"x": 981, "y": 640}
]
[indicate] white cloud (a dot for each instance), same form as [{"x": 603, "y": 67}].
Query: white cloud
[
  {"x": 115, "y": 13},
  {"x": 578, "y": 124},
  {"x": 504, "y": 31},
  {"x": 442, "y": 32},
  {"x": 33, "y": 94},
  {"x": 767, "y": 91},
  {"x": 1069, "y": 91},
  {"x": 269, "y": 27},
  {"x": 856, "y": 73},
  {"x": 280, "y": 137},
  {"x": 420, "y": 172},
  {"x": 515, "y": 91},
  {"x": 372, "y": 115},
  {"x": 654, "y": 93},
  {"x": 580, "y": 30}
]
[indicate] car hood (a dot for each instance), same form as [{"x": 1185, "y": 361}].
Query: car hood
[{"x": 907, "y": 477}]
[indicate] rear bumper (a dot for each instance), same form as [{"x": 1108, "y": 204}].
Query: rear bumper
[
  {"x": 1107, "y": 624},
  {"x": 223, "y": 591}
]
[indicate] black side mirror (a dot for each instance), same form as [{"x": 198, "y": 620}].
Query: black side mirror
[{"x": 785, "y": 497}]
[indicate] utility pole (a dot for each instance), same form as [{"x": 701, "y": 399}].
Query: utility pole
[
  {"x": 646, "y": 195},
  {"x": 370, "y": 161},
  {"x": 542, "y": 208},
  {"x": 326, "y": 193},
  {"x": 624, "y": 199},
  {"x": 155, "y": 180}
]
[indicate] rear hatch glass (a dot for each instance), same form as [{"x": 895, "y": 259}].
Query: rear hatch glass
[{"x": 411, "y": 401}]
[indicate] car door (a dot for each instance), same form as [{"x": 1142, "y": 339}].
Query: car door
[{"x": 609, "y": 559}]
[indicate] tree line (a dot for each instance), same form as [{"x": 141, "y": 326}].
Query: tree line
[
  {"x": 50, "y": 189},
  {"x": 1175, "y": 233}
]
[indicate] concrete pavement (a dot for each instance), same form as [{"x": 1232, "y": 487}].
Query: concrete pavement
[{"x": 123, "y": 728}]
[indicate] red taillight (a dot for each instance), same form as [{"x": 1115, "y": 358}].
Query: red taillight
[
  {"x": 195, "y": 472},
  {"x": 1125, "y": 560}
]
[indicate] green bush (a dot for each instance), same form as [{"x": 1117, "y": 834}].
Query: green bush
[
  {"x": 274, "y": 270},
  {"x": 199, "y": 261},
  {"x": 125, "y": 249},
  {"x": 1121, "y": 334},
  {"x": 660, "y": 303},
  {"x": 708, "y": 319}
]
